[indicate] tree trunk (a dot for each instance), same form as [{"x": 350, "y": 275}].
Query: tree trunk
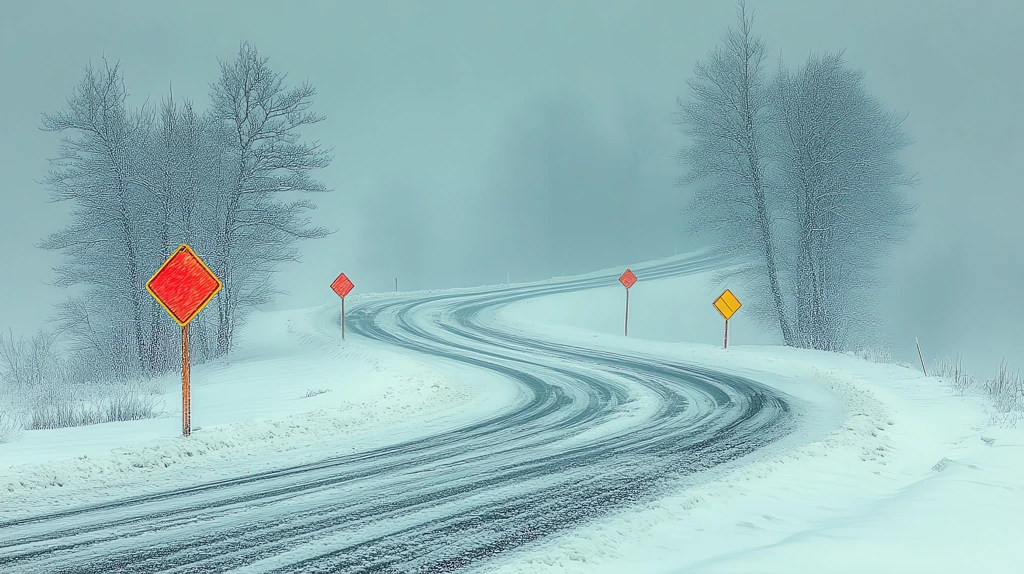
[
  {"x": 157, "y": 356},
  {"x": 764, "y": 226},
  {"x": 809, "y": 286},
  {"x": 804, "y": 293},
  {"x": 762, "y": 219},
  {"x": 134, "y": 274},
  {"x": 229, "y": 306}
]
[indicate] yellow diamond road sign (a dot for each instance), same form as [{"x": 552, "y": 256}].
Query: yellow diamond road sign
[{"x": 727, "y": 304}]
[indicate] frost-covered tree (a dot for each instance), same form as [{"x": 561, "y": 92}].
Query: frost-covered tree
[
  {"x": 837, "y": 153},
  {"x": 99, "y": 171},
  {"x": 265, "y": 161},
  {"x": 163, "y": 183},
  {"x": 143, "y": 181},
  {"x": 177, "y": 175},
  {"x": 200, "y": 157},
  {"x": 726, "y": 121}
]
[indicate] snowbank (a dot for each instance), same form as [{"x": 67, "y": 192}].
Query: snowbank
[
  {"x": 913, "y": 479},
  {"x": 255, "y": 413},
  {"x": 672, "y": 310}
]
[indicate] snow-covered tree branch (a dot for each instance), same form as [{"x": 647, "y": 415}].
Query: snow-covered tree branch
[{"x": 726, "y": 121}]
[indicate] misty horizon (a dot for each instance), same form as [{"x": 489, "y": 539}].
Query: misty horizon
[{"x": 445, "y": 111}]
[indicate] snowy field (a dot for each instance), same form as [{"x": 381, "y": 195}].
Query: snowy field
[
  {"x": 252, "y": 414},
  {"x": 914, "y": 479},
  {"x": 897, "y": 476}
]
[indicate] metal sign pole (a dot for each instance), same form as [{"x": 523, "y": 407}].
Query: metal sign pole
[
  {"x": 186, "y": 415},
  {"x": 342, "y": 318},
  {"x": 726, "y": 344},
  {"x": 626, "y": 334}
]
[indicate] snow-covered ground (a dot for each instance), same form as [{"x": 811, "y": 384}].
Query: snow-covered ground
[
  {"x": 903, "y": 477},
  {"x": 913, "y": 480},
  {"x": 252, "y": 414}
]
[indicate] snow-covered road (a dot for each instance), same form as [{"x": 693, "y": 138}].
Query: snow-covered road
[{"x": 592, "y": 431}]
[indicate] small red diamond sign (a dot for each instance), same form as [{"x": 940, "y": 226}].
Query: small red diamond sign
[
  {"x": 627, "y": 279},
  {"x": 183, "y": 285},
  {"x": 342, "y": 286}
]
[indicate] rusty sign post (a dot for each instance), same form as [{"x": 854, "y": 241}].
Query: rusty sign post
[
  {"x": 727, "y": 304},
  {"x": 343, "y": 286},
  {"x": 627, "y": 279},
  {"x": 183, "y": 285}
]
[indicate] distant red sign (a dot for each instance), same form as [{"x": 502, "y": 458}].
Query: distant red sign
[
  {"x": 627, "y": 279},
  {"x": 183, "y": 285},
  {"x": 342, "y": 286}
]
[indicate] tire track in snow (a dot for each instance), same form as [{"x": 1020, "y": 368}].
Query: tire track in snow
[{"x": 447, "y": 501}]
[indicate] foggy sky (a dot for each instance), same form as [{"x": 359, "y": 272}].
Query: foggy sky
[{"x": 422, "y": 96}]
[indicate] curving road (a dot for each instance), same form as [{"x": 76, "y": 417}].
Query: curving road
[{"x": 594, "y": 431}]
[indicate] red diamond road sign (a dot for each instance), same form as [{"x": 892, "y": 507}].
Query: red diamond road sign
[
  {"x": 342, "y": 285},
  {"x": 627, "y": 279},
  {"x": 183, "y": 285}
]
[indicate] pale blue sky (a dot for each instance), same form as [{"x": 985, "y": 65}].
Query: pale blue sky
[{"x": 424, "y": 90}]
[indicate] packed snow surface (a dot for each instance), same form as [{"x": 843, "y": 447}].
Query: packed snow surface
[
  {"x": 915, "y": 479},
  {"x": 292, "y": 395},
  {"x": 886, "y": 472}
]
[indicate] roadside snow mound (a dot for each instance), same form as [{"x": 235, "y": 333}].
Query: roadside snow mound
[
  {"x": 910, "y": 477},
  {"x": 235, "y": 442},
  {"x": 295, "y": 395}
]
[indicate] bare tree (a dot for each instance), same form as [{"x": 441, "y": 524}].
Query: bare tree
[
  {"x": 162, "y": 180},
  {"x": 200, "y": 158},
  {"x": 178, "y": 175},
  {"x": 726, "y": 159},
  {"x": 837, "y": 151},
  {"x": 142, "y": 181},
  {"x": 98, "y": 171},
  {"x": 266, "y": 158}
]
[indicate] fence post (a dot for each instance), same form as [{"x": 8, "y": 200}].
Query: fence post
[{"x": 921, "y": 356}]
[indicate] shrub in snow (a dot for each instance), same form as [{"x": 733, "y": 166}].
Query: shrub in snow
[
  {"x": 313, "y": 393},
  {"x": 1006, "y": 390},
  {"x": 10, "y": 425},
  {"x": 953, "y": 370},
  {"x": 129, "y": 404},
  {"x": 60, "y": 392},
  {"x": 880, "y": 354},
  {"x": 877, "y": 354},
  {"x": 27, "y": 363},
  {"x": 71, "y": 405},
  {"x": 59, "y": 413}
]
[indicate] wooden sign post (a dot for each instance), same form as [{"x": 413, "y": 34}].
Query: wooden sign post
[
  {"x": 183, "y": 285},
  {"x": 343, "y": 286},
  {"x": 628, "y": 279},
  {"x": 727, "y": 304}
]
